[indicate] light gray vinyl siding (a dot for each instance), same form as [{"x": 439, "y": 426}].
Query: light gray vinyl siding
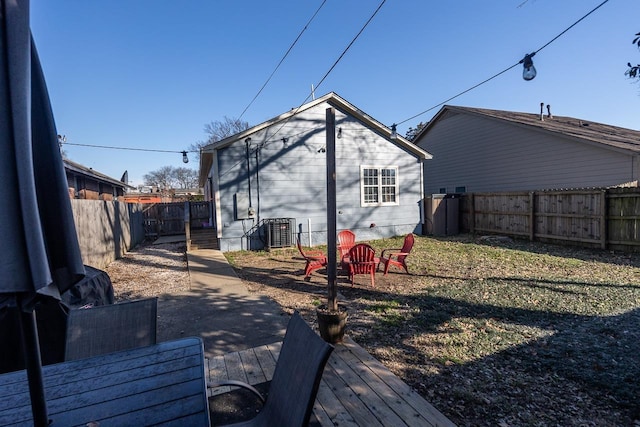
[
  {"x": 488, "y": 155},
  {"x": 291, "y": 179}
]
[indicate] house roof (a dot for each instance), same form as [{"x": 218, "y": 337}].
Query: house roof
[
  {"x": 83, "y": 170},
  {"x": 584, "y": 130},
  {"x": 206, "y": 157}
]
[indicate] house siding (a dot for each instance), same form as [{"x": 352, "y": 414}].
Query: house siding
[
  {"x": 488, "y": 155},
  {"x": 291, "y": 180}
]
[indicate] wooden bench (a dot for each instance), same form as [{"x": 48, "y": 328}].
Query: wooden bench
[{"x": 162, "y": 384}]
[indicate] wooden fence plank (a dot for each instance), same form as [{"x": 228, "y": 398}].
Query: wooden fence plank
[{"x": 598, "y": 218}]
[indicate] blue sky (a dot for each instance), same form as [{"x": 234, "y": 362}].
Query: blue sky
[{"x": 151, "y": 73}]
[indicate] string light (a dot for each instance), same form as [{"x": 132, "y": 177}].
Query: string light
[
  {"x": 185, "y": 158},
  {"x": 526, "y": 61}
]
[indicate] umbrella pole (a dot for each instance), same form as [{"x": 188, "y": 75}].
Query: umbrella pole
[{"x": 31, "y": 349}]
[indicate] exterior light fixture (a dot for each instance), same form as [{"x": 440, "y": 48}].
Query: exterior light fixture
[
  {"x": 339, "y": 133},
  {"x": 185, "y": 159},
  {"x": 394, "y": 134},
  {"x": 285, "y": 142},
  {"x": 528, "y": 71}
]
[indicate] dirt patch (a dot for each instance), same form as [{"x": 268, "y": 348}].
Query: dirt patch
[{"x": 150, "y": 270}]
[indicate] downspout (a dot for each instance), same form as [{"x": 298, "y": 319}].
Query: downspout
[
  {"x": 258, "y": 182},
  {"x": 247, "y": 142},
  {"x": 216, "y": 196},
  {"x": 422, "y": 209}
]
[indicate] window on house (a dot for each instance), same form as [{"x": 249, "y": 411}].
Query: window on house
[
  {"x": 461, "y": 189},
  {"x": 379, "y": 186},
  {"x": 442, "y": 190}
]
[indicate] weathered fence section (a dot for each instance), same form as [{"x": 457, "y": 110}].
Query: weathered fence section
[
  {"x": 164, "y": 219},
  {"x": 607, "y": 218},
  {"x": 106, "y": 229}
]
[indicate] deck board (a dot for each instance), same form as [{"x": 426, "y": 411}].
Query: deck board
[{"x": 356, "y": 389}]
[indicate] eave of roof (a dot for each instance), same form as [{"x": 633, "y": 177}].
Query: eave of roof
[
  {"x": 593, "y": 132},
  {"x": 83, "y": 170},
  {"x": 332, "y": 99}
]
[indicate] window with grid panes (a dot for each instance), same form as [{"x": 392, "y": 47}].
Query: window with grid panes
[{"x": 379, "y": 185}]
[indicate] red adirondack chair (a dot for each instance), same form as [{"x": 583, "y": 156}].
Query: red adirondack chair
[
  {"x": 315, "y": 260},
  {"x": 362, "y": 260},
  {"x": 397, "y": 257},
  {"x": 346, "y": 240}
]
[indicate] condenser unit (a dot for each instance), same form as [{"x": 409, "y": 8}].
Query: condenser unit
[{"x": 279, "y": 232}]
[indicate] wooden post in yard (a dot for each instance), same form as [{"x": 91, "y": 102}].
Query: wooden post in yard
[
  {"x": 604, "y": 221},
  {"x": 332, "y": 288},
  {"x": 532, "y": 216}
]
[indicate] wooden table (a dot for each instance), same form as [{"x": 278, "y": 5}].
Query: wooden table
[{"x": 162, "y": 384}]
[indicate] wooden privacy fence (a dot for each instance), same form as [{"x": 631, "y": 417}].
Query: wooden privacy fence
[
  {"x": 608, "y": 218},
  {"x": 106, "y": 229},
  {"x": 163, "y": 219}
]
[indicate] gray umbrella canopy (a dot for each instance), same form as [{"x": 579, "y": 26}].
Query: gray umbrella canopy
[{"x": 39, "y": 256}]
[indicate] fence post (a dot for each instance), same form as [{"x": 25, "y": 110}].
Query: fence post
[
  {"x": 187, "y": 224},
  {"x": 532, "y": 215},
  {"x": 603, "y": 219},
  {"x": 472, "y": 213}
]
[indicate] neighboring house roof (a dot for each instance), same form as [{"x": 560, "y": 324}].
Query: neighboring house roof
[
  {"x": 206, "y": 158},
  {"x": 88, "y": 172},
  {"x": 584, "y": 130}
]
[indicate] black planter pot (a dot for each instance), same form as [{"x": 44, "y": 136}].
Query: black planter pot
[{"x": 332, "y": 323}]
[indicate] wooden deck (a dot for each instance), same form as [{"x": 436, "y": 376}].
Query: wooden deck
[{"x": 356, "y": 389}]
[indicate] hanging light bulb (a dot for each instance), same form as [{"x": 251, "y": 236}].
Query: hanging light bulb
[
  {"x": 185, "y": 159},
  {"x": 394, "y": 134},
  {"x": 528, "y": 71}
]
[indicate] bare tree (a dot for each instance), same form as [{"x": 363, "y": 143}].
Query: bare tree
[
  {"x": 634, "y": 70},
  {"x": 218, "y": 130},
  {"x": 185, "y": 177},
  {"x": 413, "y": 132},
  {"x": 161, "y": 178}
]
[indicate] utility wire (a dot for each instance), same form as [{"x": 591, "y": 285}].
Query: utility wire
[
  {"x": 506, "y": 69},
  {"x": 282, "y": 60},
  {"x": 347, "y": 48},
  {"x": 129, "y": 148},
  {"x": 272, "y": 138},
  {"x": 333, "y": 66}
]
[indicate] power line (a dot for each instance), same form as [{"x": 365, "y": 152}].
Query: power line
[
  {"x": 282, "y": 60},
  {"x": 333, "y": 66},
  {"x": 348, "y": 46},
  {"x": 129, "y": 148},
  {"x": 506, "y": 69}
]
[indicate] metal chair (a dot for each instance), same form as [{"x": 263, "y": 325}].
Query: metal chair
[
  {"x": 113, "y": 327},
  {"x": 296, "y": 378}
]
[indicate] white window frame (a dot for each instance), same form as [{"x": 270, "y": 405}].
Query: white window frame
[{"x": 379, "y": 185}]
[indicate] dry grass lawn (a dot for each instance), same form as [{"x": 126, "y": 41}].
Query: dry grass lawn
[{"x": 492, "y": 332}]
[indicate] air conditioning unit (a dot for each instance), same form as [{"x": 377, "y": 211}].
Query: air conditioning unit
[{"x": 280, "y": 232}]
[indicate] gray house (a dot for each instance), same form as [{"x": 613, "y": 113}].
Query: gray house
[
  {"x": 268, "y": 183},
  {"x": 480, "y": 150}
]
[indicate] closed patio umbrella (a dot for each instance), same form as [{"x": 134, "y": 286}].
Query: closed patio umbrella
[{"x": 39, "y": 256}]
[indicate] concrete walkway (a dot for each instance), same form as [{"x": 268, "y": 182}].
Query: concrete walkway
[{"x": 219, "y": 309}]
